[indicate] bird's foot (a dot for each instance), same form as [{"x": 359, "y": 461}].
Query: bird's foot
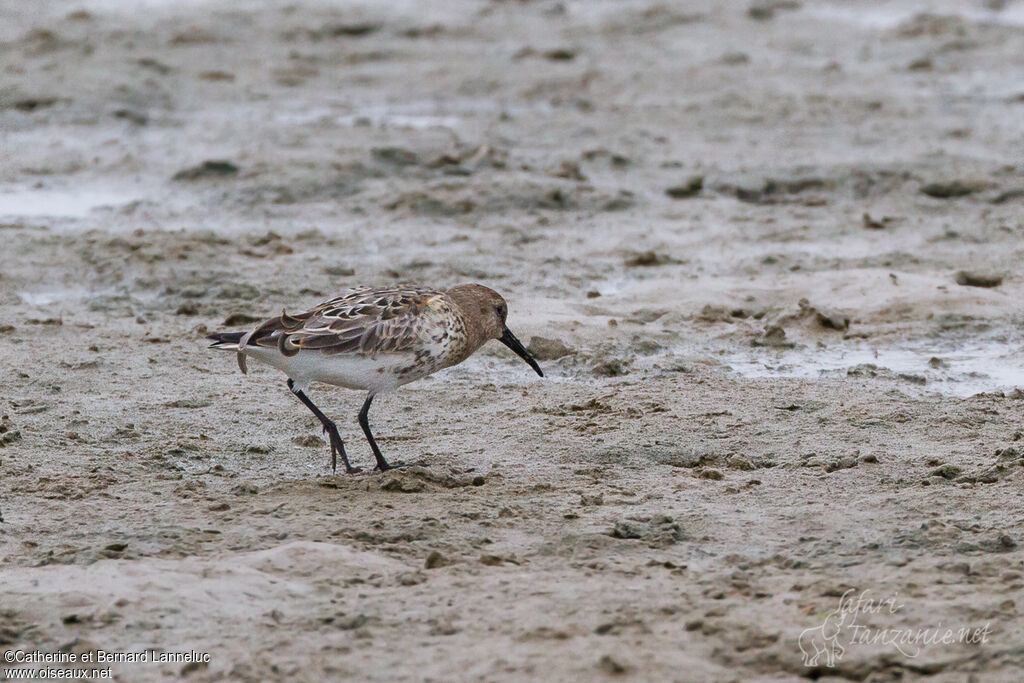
[{"x": 338, "y": 448}]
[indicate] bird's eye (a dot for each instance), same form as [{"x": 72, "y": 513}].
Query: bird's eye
[{"x": 502, "y": 311}]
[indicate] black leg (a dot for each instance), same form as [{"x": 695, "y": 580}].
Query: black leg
[
  {"x": 364, "y": 422},
  {"x": 337, "y": 446}
]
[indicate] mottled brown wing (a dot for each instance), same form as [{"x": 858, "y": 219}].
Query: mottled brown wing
[{"x": 365, "y": 321}]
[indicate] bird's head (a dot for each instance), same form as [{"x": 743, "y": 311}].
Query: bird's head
[{"x": 489, "y": 311}]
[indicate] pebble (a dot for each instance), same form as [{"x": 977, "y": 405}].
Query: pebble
[
  {"x": 207, "y": 169},
  {"x": 611, "y": 666},
  {"x": 562, "y": 54},
  {"x": 650, "y": 258},
  {"x": 972, "y": 278},
  {"x": 396, "y": 156},
  {"x": 435, "y": 560},
  {"x": 774, "y": 337},
  {"x": 691, "y": 188},
  {"x": 739, "y": 462},
  {"x": 832, "y": 319},
  {"x": 950, "y": 190},
  {"x": 946, "y": 471},
  {"x": 543, "y": 348}
]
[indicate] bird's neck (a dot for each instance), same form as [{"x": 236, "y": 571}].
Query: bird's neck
[{"x": 474, "y": 335}]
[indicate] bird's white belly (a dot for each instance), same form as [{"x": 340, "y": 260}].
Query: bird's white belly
[{"x": 351, "y": 371}]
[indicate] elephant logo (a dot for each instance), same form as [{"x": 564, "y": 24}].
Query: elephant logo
[{"x": 823, "y": 640}]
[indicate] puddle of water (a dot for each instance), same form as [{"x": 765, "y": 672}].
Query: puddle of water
[
  {"x": 959, "y": 372},
  {"x": 885, "y": 18},
  {"x": 417, "y": 115},
  {"x": 77, "y": 294},
  {"x": 51, "y": 296},
  {"x": 377, "y": 117},
  {"x": 413, "y": 115},
  {"x": 21, "y": 202}
]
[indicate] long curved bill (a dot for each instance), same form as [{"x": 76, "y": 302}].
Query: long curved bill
[{"x": 509, "y": 340}]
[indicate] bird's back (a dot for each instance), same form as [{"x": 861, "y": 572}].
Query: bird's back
[{"x": 375, "y": 339}]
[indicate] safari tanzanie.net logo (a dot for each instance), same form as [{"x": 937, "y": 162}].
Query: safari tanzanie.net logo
[{"x": 847, "y": 627}]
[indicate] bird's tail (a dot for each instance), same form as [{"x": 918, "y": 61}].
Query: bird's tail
[{"x": 227, "y": 341}]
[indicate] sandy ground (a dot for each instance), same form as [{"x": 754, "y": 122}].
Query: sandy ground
[{"x": 744, "y": 223}]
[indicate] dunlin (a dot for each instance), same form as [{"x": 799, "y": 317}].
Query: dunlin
[{"x": 376, "y": 340}]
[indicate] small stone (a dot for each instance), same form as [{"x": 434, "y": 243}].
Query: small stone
[
  {"x": 435, "y": 560},
  {"x": 396, "y": 156},
  {"x": 832, "y": 319},
  {"x": 950, "y": 190},
  {"x": 711, "y": 474},
  {"x": 193, "y": 667},
  {"x": 843, "y": 463},
  {"x": 339, "y": 271},
  {"x": 642, "y": 316},
  {"x": 411, "y": 578},
  {"x": 135, "y": 117},
  {"x": 970, "y": 278},
  {"x": 569, "y": 170},
  {"x": 237, "y": 291},
  {"x": 611, "y": 666},
  {"x": 543, "y": 348},
  {"x": 354, "y": 30},
  {"x": 714, "y": 314},
  {"x": 650, "y": 258},
  {"x": 610, "y": 367},
  {"x": 871, "y": 223},
  {"x": 629, "y": 529},
  {"x": 350, "y": 623},
  {"x": 775, "y": 337},
  {"x": 765, "y": 10},
  {"x": 691, "y": 188},
  {"x": 946, "y": 471},
  {"x": 734, "y": 58},
  {"x": 562, "y": 54},
  {"x": 739, "y": 462},
  {"x": 400, "y": 484},
  {"x": 207, "y": 169}
]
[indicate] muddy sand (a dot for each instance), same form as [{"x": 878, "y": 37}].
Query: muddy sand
[{"x": 769, "y": 254}]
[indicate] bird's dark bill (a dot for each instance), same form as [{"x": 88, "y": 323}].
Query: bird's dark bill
[{"x": 509, "y": 340}]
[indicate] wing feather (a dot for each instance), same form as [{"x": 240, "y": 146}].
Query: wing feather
[{"x": 364, "y": 321}]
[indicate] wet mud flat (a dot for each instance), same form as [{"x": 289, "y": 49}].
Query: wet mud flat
[{"x": 773, "y": 281}]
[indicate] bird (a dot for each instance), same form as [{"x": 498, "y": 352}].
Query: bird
[{"x": 375, "y": 339}]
